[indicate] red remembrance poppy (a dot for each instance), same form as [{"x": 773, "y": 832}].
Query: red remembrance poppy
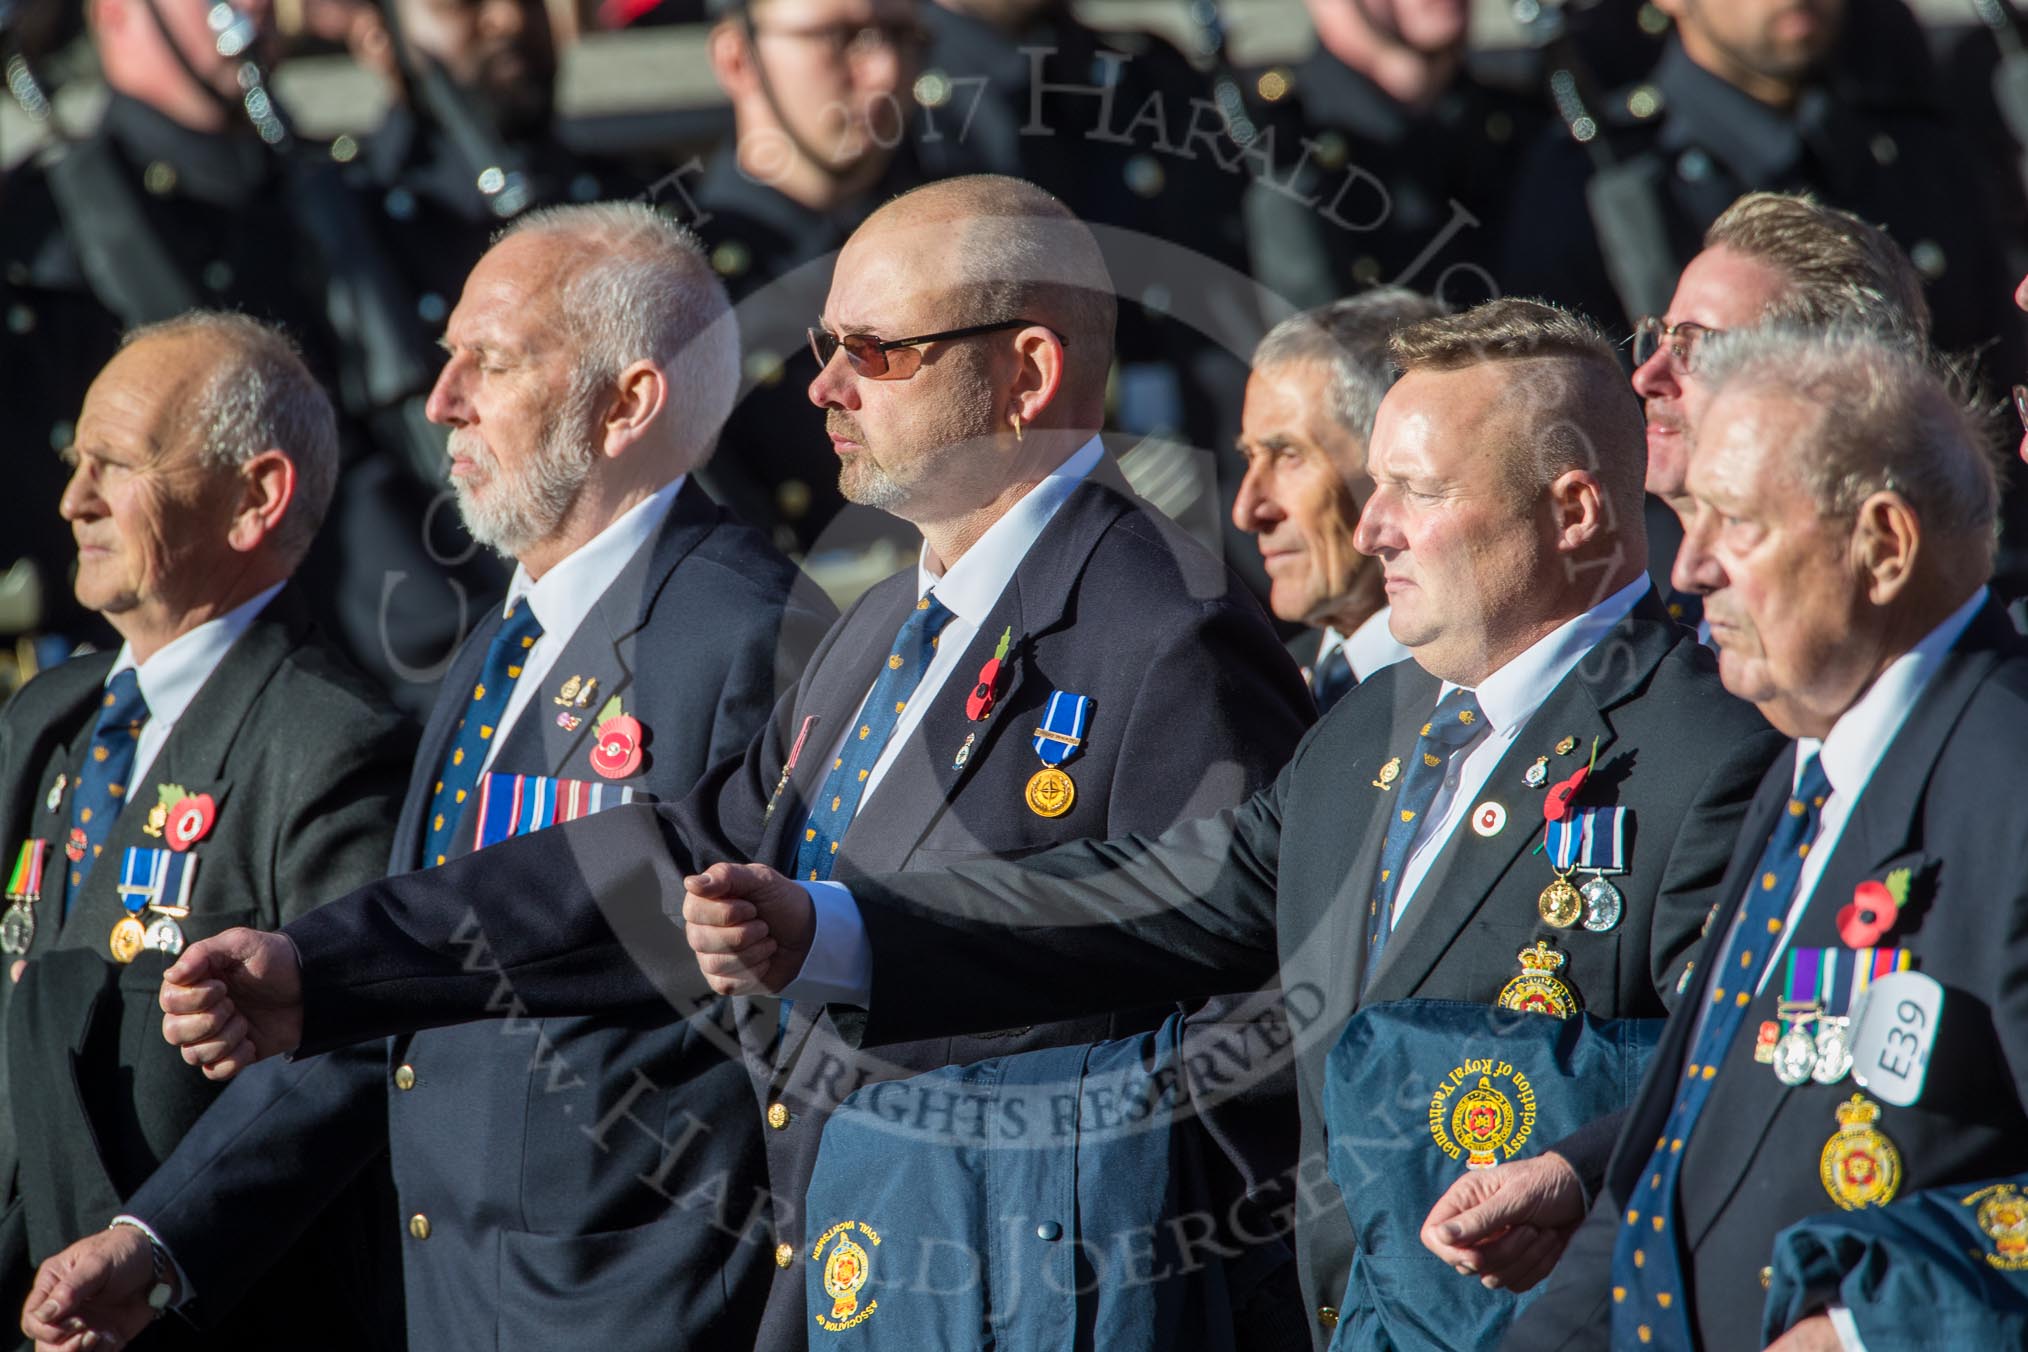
[
  {"x": 190, "y": 821},
  {"x": 979, "y": 703},
  {"x": 1556, "y": 804},
  {"x": 1870, "y": 915},
  {"x": 616, "y": 749}
]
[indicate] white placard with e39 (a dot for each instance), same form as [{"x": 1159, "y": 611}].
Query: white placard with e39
[{"x": 1894, "y": 1032}]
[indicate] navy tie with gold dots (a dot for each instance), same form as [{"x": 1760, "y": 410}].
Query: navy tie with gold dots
[
  {"x": 102, "y": 787},
  {"x": 914, "y": 648},
  {"x": 476, "y": 730},
  {"x": 1647, "y": 1266},
  {"x": 1456, "y": 721}
]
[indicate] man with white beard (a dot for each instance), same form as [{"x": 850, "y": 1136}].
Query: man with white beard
[{"x": 645, "y": 635}]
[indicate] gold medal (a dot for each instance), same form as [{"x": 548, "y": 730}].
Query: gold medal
[
  {"x": 1560, "y": 903},
  {"x": 1539, "y": 990},
  {"x": 1388, "y": 774},
  {"x": 1050, "y": 792},
  {"x": 127, "y": 939},
  {"x": 1860, "y": 1167}
]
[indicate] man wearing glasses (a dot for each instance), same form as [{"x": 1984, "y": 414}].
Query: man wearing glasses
[
  {"x": 1769, "y": 256},
  {"x": 1061, "y": 663}
]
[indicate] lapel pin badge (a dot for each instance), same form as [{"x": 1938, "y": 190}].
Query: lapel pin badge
[{"x": 1489, "y": 818}]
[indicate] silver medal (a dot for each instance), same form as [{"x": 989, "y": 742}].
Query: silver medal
[
  {"x": 164, "y": 936},
  {"x": 1834, "y": 1052},
  {"x": 1603, "y": 904},
  {"x": 1795, "y": 1056},
  {"x": 17, "y": 929}
]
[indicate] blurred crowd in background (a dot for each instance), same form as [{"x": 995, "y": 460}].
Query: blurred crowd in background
[{"x": 1579, "y": 158}]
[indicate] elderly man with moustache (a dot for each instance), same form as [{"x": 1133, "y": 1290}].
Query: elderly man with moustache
[
  {"x": 1506, "y": 513},
  {"x": 1317, "y": 381},
  {"x": 1806, "y": 1167},
  {"x": 1061, "y": 662},
  {"x": 591, "y": 362},
  {"x": 224, "y": 765}
]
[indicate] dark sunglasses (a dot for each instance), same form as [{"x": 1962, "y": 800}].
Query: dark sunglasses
[{"x": 879, "y": 358}]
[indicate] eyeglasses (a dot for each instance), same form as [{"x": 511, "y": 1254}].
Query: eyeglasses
[
  {"x": 879, "y": 358},
  {"x": 1683, "y": 338},
  {"x": 2021, "y": 405},
  {"x": 854, "y": 39}
]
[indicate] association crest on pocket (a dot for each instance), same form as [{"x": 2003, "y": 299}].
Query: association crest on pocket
[
  {"x": 846, "y": 1265},
  {"x": 1482, "y": 1112}
]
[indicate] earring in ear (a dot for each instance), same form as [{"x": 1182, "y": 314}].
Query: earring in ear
[{"x": 1017, "y": 425}]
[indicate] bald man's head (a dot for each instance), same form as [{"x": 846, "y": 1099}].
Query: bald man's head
[{"x": 1002, "y": 248}]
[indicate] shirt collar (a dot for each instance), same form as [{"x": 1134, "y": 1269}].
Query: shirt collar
[
  {"x": 566, "y": 593},
  {"x": 970, "y": 586},
  {"x": 178, "y": 670},
  {"x": 1367, "y": 649},
  {"x": 1512, "y": 694},
  {"x": 1860, "y": 737}
]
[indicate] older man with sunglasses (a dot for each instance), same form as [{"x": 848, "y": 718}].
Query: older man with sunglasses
[{"x": 1062, "y": 663}]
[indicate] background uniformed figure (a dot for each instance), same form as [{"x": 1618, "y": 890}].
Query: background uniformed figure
[
  {"x": 1771, "y": 257},
  {"x": 537, "y": 1193},
  {"x": 1394, "y": 156},
  {"x": 173, "y": 201},
  {"x": 473, "y": 88},
  {"x": 204, "y": 460},
  {"x": 1831, "y": 96},
  {"x": 1553, "y": 635},
  {"x": 1028, "y": 535},
  {"x": 820, "y": 94},
  {"x": 1317, "y": 381},
  {"x": 1903, "y": 686}
]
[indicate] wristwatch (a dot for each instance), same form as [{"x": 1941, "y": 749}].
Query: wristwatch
[{"x": 163, "y": 1290}]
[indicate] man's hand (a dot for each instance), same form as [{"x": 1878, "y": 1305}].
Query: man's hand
[
  {"x": 750, "y": 927},
  {"x": 92, "y": 1295},
  {"x": 1814, "y": 1334},
  {"x": 1507, "y": 1225},
  {"x": 232, "y": 1000}
]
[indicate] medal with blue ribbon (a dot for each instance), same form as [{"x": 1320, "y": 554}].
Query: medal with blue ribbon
[
  {"x": 514, "y": 805},
  {"x": 1820, "y": 986},
  {"x": 1592, "y": 839},
  {"x": 1050, "y": 791},
  {"x": 153, "y": 883}
]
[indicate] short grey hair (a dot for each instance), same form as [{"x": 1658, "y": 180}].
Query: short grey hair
[
  {"x": 645, "y": 291},
  {"x": 1349, "y": 339},
  {"x": 1888, "y": 420},
  {"x": 260, "y": 397}
]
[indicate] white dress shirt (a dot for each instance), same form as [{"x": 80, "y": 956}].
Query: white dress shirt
[
  {"x": 969, "y": 589},
  {"x": 839, "y": 968},
  {"x": 567, "y": 592},
  {"x": 1507, "y": 700},
  {"x": 1367, "y": 649},
  {"x": 178, "y": 670}
]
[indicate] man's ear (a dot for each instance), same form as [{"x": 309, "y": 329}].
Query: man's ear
[
  {"x": 637, "y": 398},
  {"x": 1578, "y": 507},
  {"x": 1886, "y": 542},
  {"x": 732, "y": 59},
  {"x": 1038, "y": 373},
  {"x": 267, "y": 490}
]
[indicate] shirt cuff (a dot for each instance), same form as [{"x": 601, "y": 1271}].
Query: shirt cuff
[
  {"x": 1846, "y": 1327},
  {"x": 839, "y": 967},
  {"x": 184, "y": 1295}
]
